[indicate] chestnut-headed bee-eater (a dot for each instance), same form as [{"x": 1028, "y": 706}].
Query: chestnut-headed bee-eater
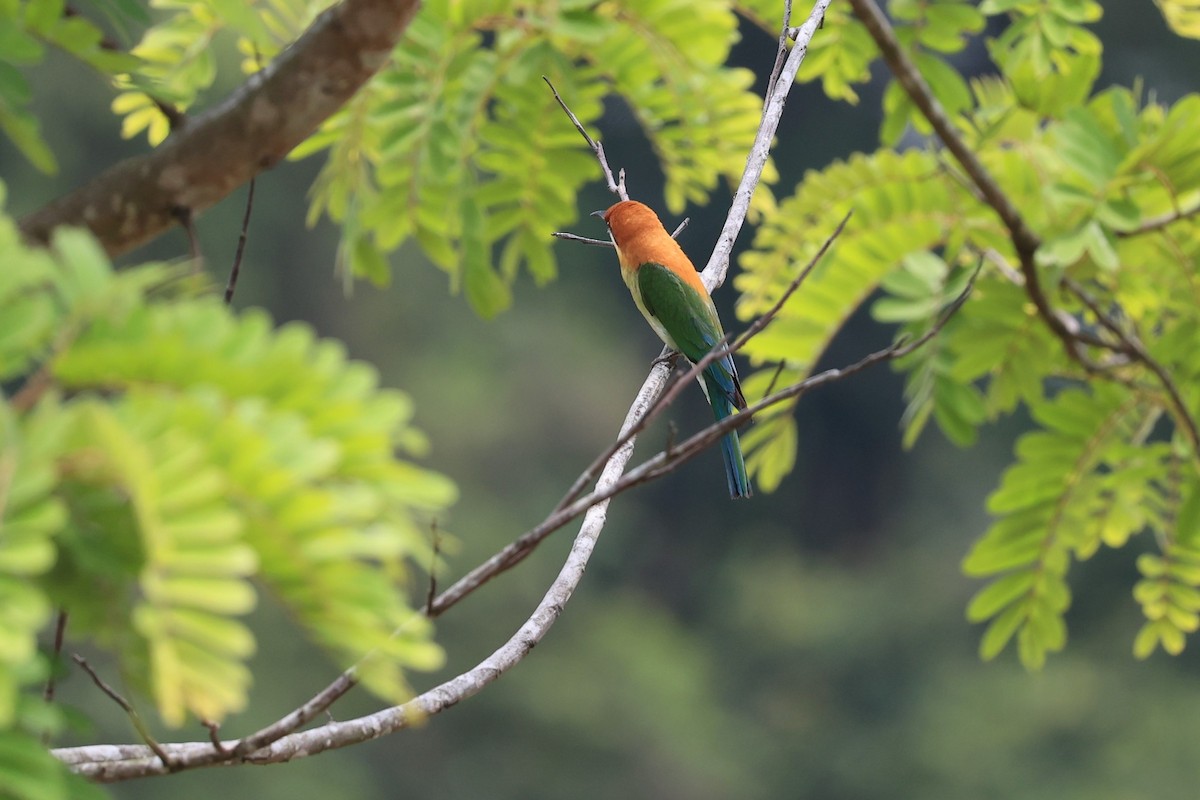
[{"x": 669, "y": 293}]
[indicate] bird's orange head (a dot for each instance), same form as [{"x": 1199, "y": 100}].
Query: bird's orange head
[
  {"x": 641, "y": 238},
  {"x": 630, "y": 219}
]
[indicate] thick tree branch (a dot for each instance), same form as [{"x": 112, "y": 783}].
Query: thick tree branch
[{"x": 256, "y": 126}]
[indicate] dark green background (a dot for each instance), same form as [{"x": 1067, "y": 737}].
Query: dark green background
[{"x": 809, "y": 643}]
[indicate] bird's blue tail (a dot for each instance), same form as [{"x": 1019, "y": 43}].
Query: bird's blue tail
[{"x": 731, "y": 445}]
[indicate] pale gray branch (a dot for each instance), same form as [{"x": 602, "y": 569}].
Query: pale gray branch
[
  {"x": 718, "y": 263},
  {"x": 122, "y": 762}
]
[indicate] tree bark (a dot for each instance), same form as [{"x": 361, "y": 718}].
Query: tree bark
[{"x": 250, "y": 131}]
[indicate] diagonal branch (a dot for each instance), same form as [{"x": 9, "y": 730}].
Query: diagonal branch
[
  {"x": 251, "y": 130},
  {"x": 1025, "y": 241},
  {"x": 517, "y": 550},
  {"x": 107, "y": 763},
  {"x": 718, "y": 263},
  {"x": 114, "y": 763},
  {"x": 136, "y": 719},
  {"x": 615, "y": 185}
]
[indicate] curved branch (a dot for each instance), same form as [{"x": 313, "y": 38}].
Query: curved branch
[
  {"x": 121, "y": 762},
  {"x": 251, "y": 130},
  {"x": 111, "y": 763}
]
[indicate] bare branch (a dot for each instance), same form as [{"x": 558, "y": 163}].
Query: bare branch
[
  {"x": 214, "y": 735},
  {"x": 615, "y": 185},
  {"x": 435, "y": 546},
  {"x": 255, "y": 127},
  {"x": 1153, "y": 224},
  {"x": 282, "y": 741},
  {"x": 236, "y": 269},
  {"x": 571, "y": 237},
  {"x": 718, "y": 263},
  {"x": 517, "y": 550},
  {"x": 60, "y": 630},
  {"x": 128, "y": 708},
  {"x": 1024, "y": 240}
]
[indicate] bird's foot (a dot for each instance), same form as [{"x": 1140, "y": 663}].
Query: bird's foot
[{"x": 669, "y": 359}]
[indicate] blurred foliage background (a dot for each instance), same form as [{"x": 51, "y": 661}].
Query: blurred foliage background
[{"x": 809, "y": 643}]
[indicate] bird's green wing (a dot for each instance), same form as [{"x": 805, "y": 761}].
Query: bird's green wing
[
  {"x": 687, "y": 316},
  {"x": 690, "y": 318}
]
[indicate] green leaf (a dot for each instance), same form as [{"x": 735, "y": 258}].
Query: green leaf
[
  {"x": 23, "y": 129},
  {"x": 487, "y": 293},
  {"x": 999, "y": 594},
  {"x": 1000, "y": 631},
  {"x": 1182, "y": 15}
]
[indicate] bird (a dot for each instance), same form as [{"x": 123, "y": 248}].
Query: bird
[{"x": 668, "y": 291}]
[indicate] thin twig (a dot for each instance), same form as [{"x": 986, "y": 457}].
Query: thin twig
[
  {"x": 714, "y": 272},
  {"x": 615, "y": 185},
  {"x": 134, "y": 717},
  {"x": 241, "y": 245},
  {"x": 60, "y": 629},
  {"x": 433, "y": 564},
  {"x": 186, "y": 220},
  {"x": 293, "y": 721},
  {"x": 214, "y": 735},
  {"x": 781, "y": 52},
  {"x": 571, "y": 237},
  {"x": 775, "y": 377},
  {"x": 1157, "y": 223}
]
